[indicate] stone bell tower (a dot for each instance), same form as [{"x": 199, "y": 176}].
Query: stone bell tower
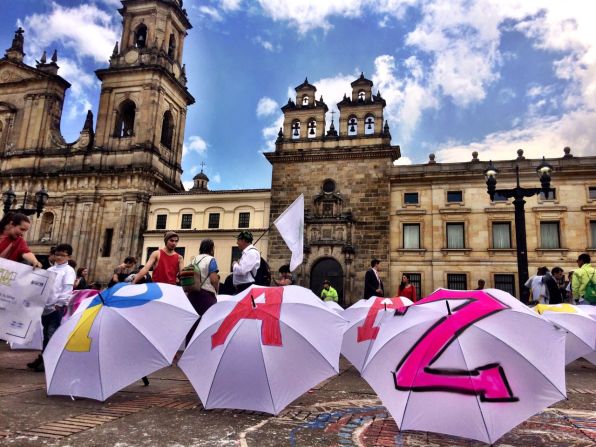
[
  {"x": 343, "y": 176},
  {"x": 143, "y": 103}
]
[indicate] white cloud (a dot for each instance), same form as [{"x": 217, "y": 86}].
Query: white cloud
[
  {"x": 270, "y": 133},
  {"x": 266, "y": 106},
  {"x": 307, "y": 15},
  {"x": 267, "y": 45},
  {"x": 210, "y": 12},
  {"x": 86, "y": 29},
  {"x": 402, "y": 161},
  {"x": 195, "y": 144},
  {"x": 230, "y": 5},
  {"x": 188, "y": 184},
  {"x": 216, "y": 178}
]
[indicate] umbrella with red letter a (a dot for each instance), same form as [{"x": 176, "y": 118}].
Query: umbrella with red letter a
[
  {"x": 467, "y": 363},
  {"x": 263, "y": 348},
  {"x": 366, "y": 317}
]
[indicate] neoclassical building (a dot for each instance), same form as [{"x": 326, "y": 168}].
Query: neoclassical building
[
  {"x": 99, "y": 185},
  {"x": 434, "y": 221}
]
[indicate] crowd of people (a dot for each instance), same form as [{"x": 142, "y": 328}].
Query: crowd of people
[{"x": 546, "y": 286}]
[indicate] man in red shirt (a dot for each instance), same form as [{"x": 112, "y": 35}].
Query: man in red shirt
[{"x": 167, "y": 262}]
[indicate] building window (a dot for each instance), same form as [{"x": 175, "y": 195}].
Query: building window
[
  {"x": 549, "y": 235},
  {"x": 106, "y": 250},
  {"x": 186, "y": 222},
  {"x": 243, "y": 220},
  {"x": 125, "y": 120},
  {"x": 455, "y": 235},
  {"x": 410, "y": 198},
  {"x": 592, "y": 192},
  {"x": 312, "y": 128},
  {"x": 411, "y": 236},
  {"x": 369, "y": 125},
  {"x": 455, "y": 197},
  {"x": 551, "y": 195},
  {"x": 236, "y": 254},
  {"x": 593, "y": 233},
  {"x": 352, "y": 126},
  {"x": 505, "y": 283},
  {"x": 180, "y": 250},
  {"x": 141, "y": 36},
  {"x": 213, "y": 220},
  {"x": 502, "y": 235},
  {"x": 167, "y": 129},
  {"x": 295, "y": 130},
  {"x": 149, "y": 251},
  {"x": 416, "y": 281},
  {"x": 457, "y": 281},
  {"x": 161, "y": 221},
  {"x": 499, "y": 198}
]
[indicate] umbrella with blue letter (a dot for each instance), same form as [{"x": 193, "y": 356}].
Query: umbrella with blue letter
[{"x": 117, "y": 337}]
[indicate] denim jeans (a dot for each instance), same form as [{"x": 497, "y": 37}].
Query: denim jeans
[{"x": 50, "y": 323}]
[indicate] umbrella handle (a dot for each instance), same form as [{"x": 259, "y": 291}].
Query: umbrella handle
[{"x": 448, "y": 308}]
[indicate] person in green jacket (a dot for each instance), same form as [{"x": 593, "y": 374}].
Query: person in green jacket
[
  {"x": 582, "y": 276},
  {"x": 328, "y": 293}
]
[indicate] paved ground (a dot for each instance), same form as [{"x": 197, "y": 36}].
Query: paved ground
[{"x": 341, "y": 412}]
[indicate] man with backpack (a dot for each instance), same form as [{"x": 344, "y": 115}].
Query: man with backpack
[
  {"x": 583, "y": 282},
  {"x": 245, "y": 270}
]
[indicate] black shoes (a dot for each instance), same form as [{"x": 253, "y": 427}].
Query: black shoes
[
  {"x": 35, "y": 363},
  {"x": 145, "y": 381}
]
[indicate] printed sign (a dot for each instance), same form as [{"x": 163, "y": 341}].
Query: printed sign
[{"x": 23, "y": 294}]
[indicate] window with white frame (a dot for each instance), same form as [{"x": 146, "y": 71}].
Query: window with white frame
[
  {"x": 501, "y": 234},
  {"x": 550, "y": 235},
  {"x": 551, "y": 195},
  {"x": 411, "y": 236},
  {"x": 455, "y": 235}
]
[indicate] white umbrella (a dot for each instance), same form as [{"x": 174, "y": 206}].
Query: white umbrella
[
  {"x": 117, "y": 337},
  {"x": 263, "y": 348},
  {"x": 580, "y": 327},
  {"x": 334, "y": 306},
  {"x": 366, "y": 317},
  {"x": 467, "y": 363}
]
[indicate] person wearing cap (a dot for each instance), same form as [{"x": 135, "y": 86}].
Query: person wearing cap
[
  {"x": 166, "y": 262},
  {"x": 245, "y": 269},
  {"x": 328, "y": 293}
]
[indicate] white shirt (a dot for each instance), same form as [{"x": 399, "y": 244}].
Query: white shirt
[
  {"x": 63, "y": 285},
  {"x": 538, "y": 288},
  {"x": 249, "y": 263}
]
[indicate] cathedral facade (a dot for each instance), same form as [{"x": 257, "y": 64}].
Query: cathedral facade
[{"x": 99, "y": 186}]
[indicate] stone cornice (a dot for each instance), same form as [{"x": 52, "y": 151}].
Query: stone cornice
[
  {"x": 102, "y": 72},
  {"x": 390, "y": 152}
]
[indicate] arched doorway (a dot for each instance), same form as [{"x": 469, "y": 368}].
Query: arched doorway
[{"x": 327, "y": 268}]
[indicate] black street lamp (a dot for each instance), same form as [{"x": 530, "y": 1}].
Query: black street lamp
[
  {"x": 9, "y": 198},
  {"x": 518, "y": 193}
]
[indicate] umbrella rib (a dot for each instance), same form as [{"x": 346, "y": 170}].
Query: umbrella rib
[
  {"x": 141, "y": 333},
  {"x": 234, "y": 330},
  {"x": 308, "y": 343},
  {"x": 520, "y": 355},
  {"x": 476, "y": 395},
  {"x": 266, "y": 372},
  {"x": 104, "y": 308}
]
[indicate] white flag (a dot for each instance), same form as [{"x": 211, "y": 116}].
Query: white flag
[{"x": 290, "y": 225}]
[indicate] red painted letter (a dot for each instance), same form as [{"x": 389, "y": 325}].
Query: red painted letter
[
  {"x": 368, "y": 331},
  {"x": 488, "y": 381},
  {"x": 267, "y": 312}
]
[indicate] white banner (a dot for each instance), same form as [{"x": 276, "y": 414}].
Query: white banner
[
  {"x": 23, "y": 294},
  {"x": 290, "y": 225}
]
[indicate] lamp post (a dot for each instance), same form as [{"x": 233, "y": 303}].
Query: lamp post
[
  {"x": 9, "y": 198},
  {"x": 518, "y": 193}
]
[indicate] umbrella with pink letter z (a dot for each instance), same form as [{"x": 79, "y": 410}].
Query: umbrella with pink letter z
[{"x": 467, "y": 363}]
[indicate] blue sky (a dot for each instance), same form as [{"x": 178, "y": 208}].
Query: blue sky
[{"x": 458, "y": 75}]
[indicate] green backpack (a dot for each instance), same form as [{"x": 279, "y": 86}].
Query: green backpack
[
  {"x": 190, "y": 277},
  {"x": 590, "y": 292}
]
